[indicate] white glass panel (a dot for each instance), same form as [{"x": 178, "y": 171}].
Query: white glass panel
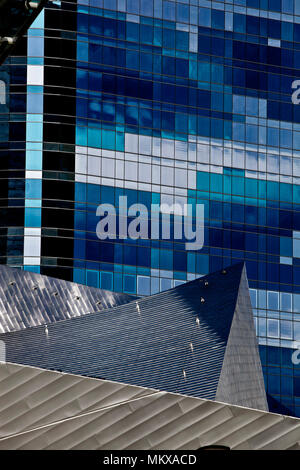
[
  {"x": 145, "y": 172},
  {"x": 131, "y": 143},
  {"x": 202, "y": 153},
  {"x": 168, "y": 148},
  {"x": 238, "y": 158},
  {"x": 108, "y": 168},
  {"x": 131, "y": 171},
  {"x": 32, "y": 246},
  {"x": 35, "y": 75},
  {"x": 216, "y": 155},
  {"x": 181, "y": 150},
  {"x": 273, "y": 299},
  {"x": 80, "y": 163},
  {"x": 180, "y": 178},
  {"x": 167, "y": 175},
  {"x": 94, "y": 166},
  {"x": 251, "y": 161},
  {"x": 145, "y": 145},
  {"x": 273, "y": 328},
  {"x": 286, "y": 166}
]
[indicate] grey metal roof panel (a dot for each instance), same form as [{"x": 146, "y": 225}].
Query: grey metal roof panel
[{"x": 29, "y": 299}]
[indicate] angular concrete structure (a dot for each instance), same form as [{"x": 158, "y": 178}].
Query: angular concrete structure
[{"x": 197, "y": 339}]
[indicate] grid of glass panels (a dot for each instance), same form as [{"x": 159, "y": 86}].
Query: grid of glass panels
[
  {"x": 195, "y": 106},
  {"x": 164, "y": 102}
]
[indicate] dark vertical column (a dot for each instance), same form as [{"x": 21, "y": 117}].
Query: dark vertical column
[
  {"x": 12, "y": 155},
  {"x": 59, "y": 140}
]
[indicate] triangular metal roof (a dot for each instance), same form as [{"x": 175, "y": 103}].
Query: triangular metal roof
[{"x": 176, "y": 340}]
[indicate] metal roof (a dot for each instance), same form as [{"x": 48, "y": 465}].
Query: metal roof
[
  {"x": 41, "y": 409},
  {"x": 29, "y": 299},
  {"x": 170, "y": 341}
]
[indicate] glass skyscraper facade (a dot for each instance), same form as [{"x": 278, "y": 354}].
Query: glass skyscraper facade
[{"x": 186, "y": 102}]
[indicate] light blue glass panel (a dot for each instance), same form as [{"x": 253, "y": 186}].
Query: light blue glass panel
[
  {"x": 143, "y": 285},
  {"x": 94, "y": 137},
  {"x": 35, "y": 46},
  {"x": 229, "y": 21},
  {"x": 296, "y": 248},
  {"x": 106, "y": 280},
  {"x": 169, "y": 10},
  {"x": 35, "y": 89},
  {"x": 251, "y": 106},
  {"x": 39, "y": 21},
  {"x": 34, "y": 132},
  {"x": 82, "y": 51},
  {"x": 296, "y": 303},
  {"x": 182, "y": 13},
  {"x": 253, "y": 296},
  {"x": 33, "y": 217},
  {"x": 251, "y": 134},
  {"x": 262, "y": 327},
  {"x": 33, "y": 188},
  {"x": 34, "y": 146},
  {"x": 273, "y": 299},
  {"x": 118, "y": 282},
  {"x": 204, "y": 71},
  {"x": 108, "y": 140},
  {"x": 286, "y": 138},
  {"x": 154, "y": 285},
  {"x": 92, "y": 278},
  {"x": 238, "y": 131},
  {"x": 262, "y": 299},
  {"x": 273, "y": 328},
  {"x": 129, "y": 284},
  {"x": 239, "y": 104},
  {"x": 146, "y": 7},
  {"x": 296, "y": 140},
  {"x": 79, "y": 276},
  {"x": 286, "y": 329},
  {"x": 296, "y": 330},
  {"x": 165, "y": 284},
  {"x": 132, "y": 6},
  {"x": 34, "y": 117},
  {"x": 287, "y": 6},
  {"x": 286, "y": 301},
  {"x": 33, "y": 203},
  {"x": 34, "y": 160},
  {"x": 273, "y": 137},
  {"x": 33, "y": 269},
  {"x": 158, "y": 8},
  {"x": 81, "y": 136},
  {"x": 34, "y": 103},
  {"x": 205, "y": 17}
]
